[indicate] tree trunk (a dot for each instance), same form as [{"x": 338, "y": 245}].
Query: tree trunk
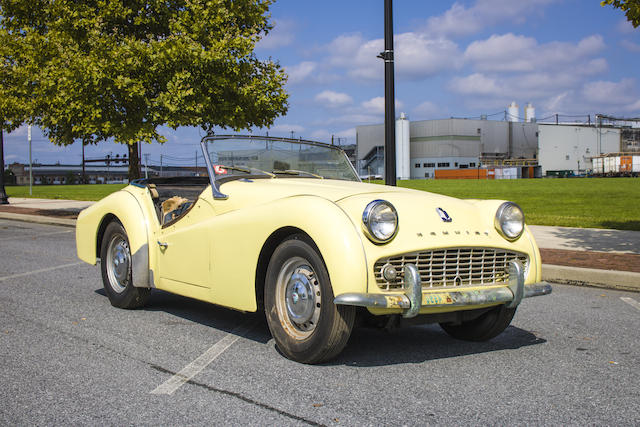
[
  {"x": 134, "y": 162},
  {"x": 3, "y": 195}
]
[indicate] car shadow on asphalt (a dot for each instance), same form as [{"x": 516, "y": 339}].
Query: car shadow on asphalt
[
  {"x": 416, "y": 344},
  {"x": 203, "y": 313},
  {"x": 367, "y": 347}
]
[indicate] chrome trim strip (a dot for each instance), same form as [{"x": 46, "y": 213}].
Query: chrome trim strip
[{"x": 450, "y": 299}]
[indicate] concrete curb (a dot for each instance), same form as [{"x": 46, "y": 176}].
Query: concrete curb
[
  {"x": 40, "y": 219},
  {"x": 610, "y": 279}
]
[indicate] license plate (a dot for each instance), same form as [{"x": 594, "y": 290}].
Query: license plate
[{"x": 436, "y": 299}]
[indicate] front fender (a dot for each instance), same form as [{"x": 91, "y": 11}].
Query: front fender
[
  {"x": 241, "y": 234},
  {"x": 125, "y": 208}
]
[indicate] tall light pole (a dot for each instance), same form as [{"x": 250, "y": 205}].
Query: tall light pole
[
  {"x": 4, "y": 200},
  {"x": 30, "y": 162},
  {"x": 389, "y": 98}
]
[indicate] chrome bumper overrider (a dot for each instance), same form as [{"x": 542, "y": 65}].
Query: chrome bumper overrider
[{"x": 413, "y": 299}]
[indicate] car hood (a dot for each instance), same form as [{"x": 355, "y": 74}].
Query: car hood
[
  {"x": 252, "y": 192},
  {"x": 420, "y": 222}
]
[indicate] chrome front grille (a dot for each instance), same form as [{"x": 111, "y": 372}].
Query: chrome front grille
[{"x": 453, "y": 267}]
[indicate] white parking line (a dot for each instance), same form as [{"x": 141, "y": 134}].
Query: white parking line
[
  {"x": 631, "y": 302},
  {"x": 193, "y": 368},
  {"x": 42, "y": 270},
  {"x": 34, "y": 235}
]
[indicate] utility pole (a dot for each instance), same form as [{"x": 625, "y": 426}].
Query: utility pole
[
  {"x": 30, "y": 163},
  {"x": 160, "y": 164},
  {"x": 84, "y": 180},
  {"x": 4, "y": 200},
  {"x": 146, "y": 165},
  {"x": 389, "y": 97}
]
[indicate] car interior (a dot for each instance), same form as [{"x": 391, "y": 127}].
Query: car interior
[{"x": 173, "y": 197}]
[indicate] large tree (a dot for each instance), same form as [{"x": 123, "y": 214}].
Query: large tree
[
  {"x": 631, "y": 9},
  {"x": 98, "y": 70}
]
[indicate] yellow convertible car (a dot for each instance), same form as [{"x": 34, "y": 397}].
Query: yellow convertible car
[{"x": 286, "y": 226}]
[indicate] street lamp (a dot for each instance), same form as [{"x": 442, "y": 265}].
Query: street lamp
[{"x": 389, "y": 98}]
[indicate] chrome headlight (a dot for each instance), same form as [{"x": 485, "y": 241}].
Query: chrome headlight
[
  {"x": 380, "y": 221},
  {"x": 509, "y": 221}
]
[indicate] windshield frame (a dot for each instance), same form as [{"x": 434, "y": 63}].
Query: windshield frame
[{"x": 215, "y": 182}]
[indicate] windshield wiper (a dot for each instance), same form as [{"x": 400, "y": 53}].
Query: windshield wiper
[
  {"x": 297, "y": 172},
  {"x": 251, "y": 171}
]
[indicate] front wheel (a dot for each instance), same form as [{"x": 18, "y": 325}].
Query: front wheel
[
  {"x": 305, "y": 323},
  {"x": 115, "y": 264},
  {"x": 483, "y": 328}
]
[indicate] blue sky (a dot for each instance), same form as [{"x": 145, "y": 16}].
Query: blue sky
[{"x": 460, "y": 59}]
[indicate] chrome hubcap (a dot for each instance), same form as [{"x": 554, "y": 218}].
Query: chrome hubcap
[
  {"x": 118, "y": 263},
  {"x": 298, "y": 297}
]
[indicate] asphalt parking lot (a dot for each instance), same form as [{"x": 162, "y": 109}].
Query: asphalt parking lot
[{"x": 68, "y": 357}]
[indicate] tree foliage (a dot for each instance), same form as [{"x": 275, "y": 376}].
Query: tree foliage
[
  {"x": 99, "y": 70},
  {"x": 631, "y": 9}
]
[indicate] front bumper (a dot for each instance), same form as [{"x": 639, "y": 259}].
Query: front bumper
[{"x": 413, "y": 299}]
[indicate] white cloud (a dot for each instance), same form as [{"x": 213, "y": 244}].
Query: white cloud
[
  {"x": 281, "y": 35},
  {"x": 286, "y": 128},
  {"x": 460, "y": 20},
  {"x": 416, "y": 56},
  {"x": 300, "y": 72},
  {"x": 427, "y": 109},
  {"x": 376, "y": 105},
  {"x": 333, "y": 99},
  {"x": 509, "y": 52},
  {"x": 610, "y": 93},
  {"x": 475, "y": 84},
  {"x": 630, "y": 46},
  {"x": 625, "y": 27}
]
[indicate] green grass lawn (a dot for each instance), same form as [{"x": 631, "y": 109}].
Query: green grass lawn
[
  {"x": 587, "y": 202},
  {"x": 580, "y": 202},
  {"x": 68, "y": 192}
]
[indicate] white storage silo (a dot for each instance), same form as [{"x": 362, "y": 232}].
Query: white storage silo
[
  {"x": 403, "y": 158},
  {"x": 529, "y": 113},
  {"x": 513, "y": 112}
]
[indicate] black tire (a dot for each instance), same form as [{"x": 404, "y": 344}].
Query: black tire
[
  {"x": 483, "y": 328},
  {"x": 115, "y": 264},
  {"x": 316, "y": 330}
]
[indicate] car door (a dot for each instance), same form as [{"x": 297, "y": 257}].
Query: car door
[{"x": 183, "y": 251}]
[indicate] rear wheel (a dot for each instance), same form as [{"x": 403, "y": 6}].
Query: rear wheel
[
  {"x": 483, "y": 328},
  {"x": 305, "y": 323},
  {"x": 115, "y": 263}
]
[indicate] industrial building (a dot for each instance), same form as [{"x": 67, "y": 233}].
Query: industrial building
[{"x": 453, "y": 148}]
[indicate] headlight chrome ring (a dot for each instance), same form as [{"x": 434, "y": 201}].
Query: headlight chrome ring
[
  {"x": 509, "y": 221},
  {"x": 380, "y": 221}
]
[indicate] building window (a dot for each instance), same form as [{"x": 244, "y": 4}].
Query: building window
[
  {"x": 567, "y": 157},
  {"x": 426, "y": 174},
  {"x": 443, "y": 165},
  {"x": 429, "y": 165},
  {"x": 464, "y": 166},
  {"x": 456, "y": 164},
  {"x": 417, "y": 165},
  {"x": 472, "y": 165}
]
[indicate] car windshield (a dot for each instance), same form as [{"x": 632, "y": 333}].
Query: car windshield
[{"x": 279, "y": 157}]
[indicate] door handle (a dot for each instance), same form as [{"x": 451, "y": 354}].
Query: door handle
[{"x": 163, "y": 245}]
